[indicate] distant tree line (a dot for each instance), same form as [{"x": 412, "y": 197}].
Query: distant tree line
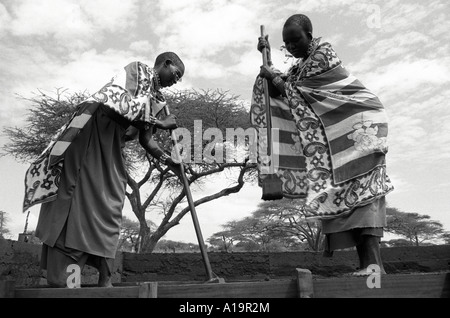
[{"x": 282, "y": 226}]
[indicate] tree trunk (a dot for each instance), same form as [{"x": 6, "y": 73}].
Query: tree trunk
[
  {"x": 310, "y": 241},
  {"x": 152, "y": 240},
  {"x": 151, "y": 243},
  {"x": 318, "y": 240},
  {"x": 144, "y": 234},
  {"x": 225, "y": 243}
]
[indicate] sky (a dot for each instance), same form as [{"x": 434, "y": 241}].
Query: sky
[{"x": 398, "y": 49}]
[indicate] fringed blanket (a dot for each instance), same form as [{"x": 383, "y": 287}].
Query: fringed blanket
[{"x": 139, "y": 100}]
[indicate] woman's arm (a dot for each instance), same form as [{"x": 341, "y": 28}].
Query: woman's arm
[
  {"x": 276, "y": 83},
  {"x": 279, "y": 83},
  {"x": 131, "y": 133},
  {"x": 169, "y": 122},
  {"x": 276, "y": 87},
  {"x": 152, "y": 147},
  {"x": 263, "y": 42}
]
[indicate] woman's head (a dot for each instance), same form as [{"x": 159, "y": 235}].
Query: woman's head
[
  {"x": 297, "y": 35},
  {"x": 170, "y": 68}
]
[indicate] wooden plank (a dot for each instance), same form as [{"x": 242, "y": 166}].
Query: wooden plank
[
  {"x": 6, "y": 289},
  {"x": 266, "y": 289},
  {"x": 304, "y": 283},
  {"x": 88, "y": 292},
  {"x": 391, "y": 286},
  {"x": 148, "y": 290}
]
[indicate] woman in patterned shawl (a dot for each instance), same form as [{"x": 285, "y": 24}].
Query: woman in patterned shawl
[
  {"x": 81, "y": 223},
  {"x": 342, "y": 132}
]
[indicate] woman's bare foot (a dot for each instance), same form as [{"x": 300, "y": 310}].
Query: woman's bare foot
[
  {"x": 362, "y": 272},
  {"x": 105, "y": 281},
  {"x": 369, "y": 256},
  {"x": 368, "y": 272},
  {"x": 104, "y": 278}
]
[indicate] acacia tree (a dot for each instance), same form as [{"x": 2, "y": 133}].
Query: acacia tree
[
  {"x": 252, "y": 230},
  {"x": 223, "y": 241},
  {"x": 152, "y": 187},
  {"x": 174, "y": 246},
  {"x": 289, "y": 220},
  {"x": 129, "y": 234},
  {"x": 274, "y": 222},
  {"x": 415, "y": 227},
  {"x": 446, "y": 237}
]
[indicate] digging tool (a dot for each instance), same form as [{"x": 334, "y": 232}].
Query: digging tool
[
  {"x": 212, "y": 277},
  {"x": 271, "y": 184}
]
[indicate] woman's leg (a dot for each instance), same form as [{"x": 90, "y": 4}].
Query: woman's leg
[
  {"x": 369, "y": 254},
  {"x": 104, "y": 279},
  {"x": 56, "y": 263},
  {"x": 104, "y": 267},
  {"x": 361, "y": 255}
]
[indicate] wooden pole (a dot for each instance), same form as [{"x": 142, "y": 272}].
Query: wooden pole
[
  {"x": 272, "y": 184},
  {"x": 148, "y": 290},
  {"x": 305, "y": 283},
  {"x": 7, "y": 289},
  {"x": 2, "y": 215},
  {"x": 267, "y": 98},
  {"x": 198, "y": 232},
  {"x": 26, "y": 223}
]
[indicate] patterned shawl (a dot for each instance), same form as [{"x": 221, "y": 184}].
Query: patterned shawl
[
  {"x": 138, "y": 101},
  {"x": 353, "y": 118}
]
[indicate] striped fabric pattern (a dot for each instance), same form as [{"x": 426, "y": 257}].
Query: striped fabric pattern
[
  {"x": 288, "y": 160},
  {"x": 354, "y": 120},
  {"x": 42, "y": 178},
  {"x": 68, "y": 134}
]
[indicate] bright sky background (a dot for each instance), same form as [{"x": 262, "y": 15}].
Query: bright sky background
[{"x": 398, "y": 49}]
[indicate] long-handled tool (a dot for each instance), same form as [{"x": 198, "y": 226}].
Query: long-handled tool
[
  {"x": 212, "y": 277},
  {"x": 271, "y": 184}
]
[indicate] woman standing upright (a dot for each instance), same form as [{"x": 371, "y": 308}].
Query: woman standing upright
[{"x": 341, "y": 132}]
